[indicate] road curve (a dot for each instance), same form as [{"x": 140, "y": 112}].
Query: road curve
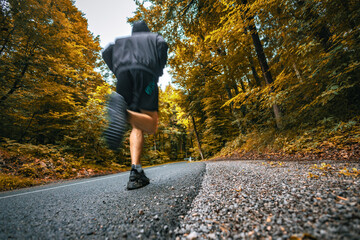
[{"x": 101, "y": 207}]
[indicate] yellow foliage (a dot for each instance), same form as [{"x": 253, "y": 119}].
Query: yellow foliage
[
  {"x": 10, "y": 182},
  {"x": 328, "y": 169},
  {"x": 346, "y": 172},
  {"x": 323, "y": 167},
  {"x": 311, "y": 175}
]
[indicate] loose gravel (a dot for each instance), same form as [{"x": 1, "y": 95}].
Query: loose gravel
[{"x": 275, "y": 200}]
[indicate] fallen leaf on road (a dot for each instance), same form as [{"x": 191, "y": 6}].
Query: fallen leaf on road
[
  {"x": 302, "y": 236},
  {"x": 311, "y": 175},
  {"x": 341, "y": 198}
]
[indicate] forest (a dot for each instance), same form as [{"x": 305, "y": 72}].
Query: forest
[{"x": 250, "y": 79}]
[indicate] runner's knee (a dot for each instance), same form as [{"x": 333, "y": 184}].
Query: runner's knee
[{"x": 152, "y": 126}]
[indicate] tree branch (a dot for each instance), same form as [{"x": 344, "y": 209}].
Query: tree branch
[{"x": 185, "y": 9}]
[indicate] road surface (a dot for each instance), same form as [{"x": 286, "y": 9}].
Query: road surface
[{"x": 102, "y": 207}]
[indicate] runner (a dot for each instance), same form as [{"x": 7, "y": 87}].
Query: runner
[{"x": 137, "y": 62}]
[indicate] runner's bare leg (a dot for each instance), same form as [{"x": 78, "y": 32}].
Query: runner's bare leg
[
  {"x": 146, "y": 121},
  {"x": 136, "y": 145}
]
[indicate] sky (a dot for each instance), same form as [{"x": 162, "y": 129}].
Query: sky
[{"x": 108, "y": 19}]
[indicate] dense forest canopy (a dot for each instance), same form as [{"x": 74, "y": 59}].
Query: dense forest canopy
[
  {"x": 48, "y": 59},
  {"x": 247, "y": 75},
  {"x": 53, "y": 96},
  {"x": 247, "y": 68}
]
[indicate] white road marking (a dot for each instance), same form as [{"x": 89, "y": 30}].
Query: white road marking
[
  {"x": 72, "y": 184},
  {"x": 52, "y": 188}
]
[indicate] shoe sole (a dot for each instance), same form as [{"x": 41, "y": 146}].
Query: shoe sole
[
  {"x": 117, "y": 121},
  {"x": 133, "y": 185}
]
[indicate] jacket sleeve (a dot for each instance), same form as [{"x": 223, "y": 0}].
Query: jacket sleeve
[
  {"x": 162, "y": 48},
  {"x": 107, "y": 56}
]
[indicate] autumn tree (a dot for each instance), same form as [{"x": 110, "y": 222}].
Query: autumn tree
[
  {"x": 254, "y": 66},
  {"x": 48, "y": 61},
  {"x": 171, "y": 142}
]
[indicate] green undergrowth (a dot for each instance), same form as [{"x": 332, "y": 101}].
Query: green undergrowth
[{"x": 325, "y": 140}]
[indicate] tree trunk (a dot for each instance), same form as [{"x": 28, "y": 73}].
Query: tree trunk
[
  {"x": 265, "y": 69},
  {"x": 260, "y": 54},
  {"x": 254, "y": 72},
  {"x": 264, "y": 65},
  {"x": 28, "y": 126},
  {"x": 228, "y": 90},
  {"x": 197, "y": 138},
  {"x": 298, "y": 75},
  {"x": 16, "y": 83},
  {"x": 232, "y": 109},
  {"x": 235, "y": 87}
]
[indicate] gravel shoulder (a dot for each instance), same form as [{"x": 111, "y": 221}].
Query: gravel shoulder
[{"x": 275, "y": 200}]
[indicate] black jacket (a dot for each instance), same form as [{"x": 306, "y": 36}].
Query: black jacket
[{"x": 143, "y": 50}]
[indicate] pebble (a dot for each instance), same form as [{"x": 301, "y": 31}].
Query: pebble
[
  {"x": 252, "y": 200},
  {"x": 192, "y": 235}
]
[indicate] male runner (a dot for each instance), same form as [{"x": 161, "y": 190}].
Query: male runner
[{"x": 137, "y": 62}]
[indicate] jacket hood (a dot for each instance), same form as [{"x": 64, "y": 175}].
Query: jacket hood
[{"x": 140, "y": 26}]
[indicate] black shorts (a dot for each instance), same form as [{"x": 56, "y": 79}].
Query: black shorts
[{"x": 139, "y": 88}]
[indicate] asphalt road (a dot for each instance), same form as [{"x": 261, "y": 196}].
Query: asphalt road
[{"x": 102, "y": 208}]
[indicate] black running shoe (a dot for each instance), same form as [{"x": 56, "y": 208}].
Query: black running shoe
[
  {"x": 137, "y": 179},
  {"x": 117, "y": 121}
]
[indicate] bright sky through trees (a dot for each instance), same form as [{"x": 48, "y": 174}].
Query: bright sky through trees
[{"x": 108, "y": 19}]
